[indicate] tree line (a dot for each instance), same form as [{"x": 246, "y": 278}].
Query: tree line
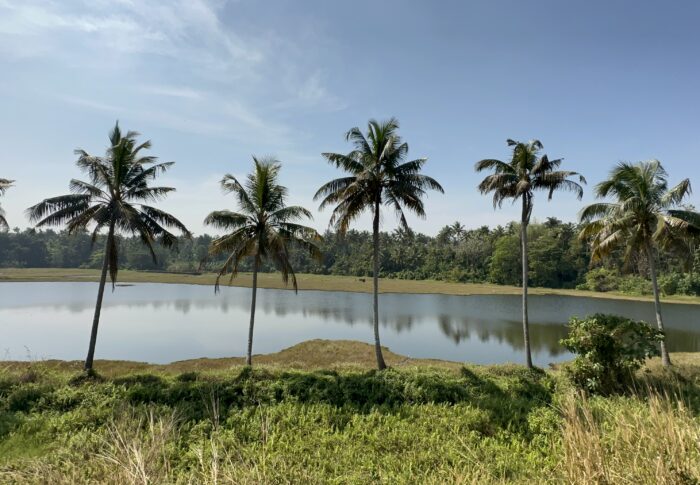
[
  {"x": 558, "y": 258},
  {"x": 638, "y": 219}
]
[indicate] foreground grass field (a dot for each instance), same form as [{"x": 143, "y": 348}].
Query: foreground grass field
[
  {"x": 316, "y": 413},
  {"x": 314, "y": 282}
]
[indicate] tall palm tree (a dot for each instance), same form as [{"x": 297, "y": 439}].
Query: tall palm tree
[
  {"x": 4, "y": 185},
  {"x": 115, "y": 198},
  {"x": 264, "y": 228},
  {"x": 525, "y": 173},
  {"x": 378, "y": 174},
  {"x": 644, "y": 218}
]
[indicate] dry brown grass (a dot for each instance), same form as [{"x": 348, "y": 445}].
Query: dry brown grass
[
  {"x": 308, "y": 355},
  {"x": 655, "y": 441}
]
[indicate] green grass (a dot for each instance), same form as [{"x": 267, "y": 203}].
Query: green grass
[
  {"x": 317, "y": 413},
  {"x": 315, "y": 282}
]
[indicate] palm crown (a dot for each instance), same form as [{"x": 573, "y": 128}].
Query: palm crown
[
  {"x": 115, "y": 197},
  {"x": 644, "y": 210},
  {"x": 524, "y": 174},
  {"x": 4, "y": 185},
  {"x": 264, "y": 226},
  {"x": 378, "y": 174}
]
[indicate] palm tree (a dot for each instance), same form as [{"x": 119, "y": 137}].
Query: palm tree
[
  {"x": 457, "y": 230},
  {"x": 526, "y": 173},
  {"x": 378, "y": 174},
  {"x": 644, "y": 218},
  {"x": 4, "y": 185},
  {"x": 115, "y": 198},
  {"x": 263, "y": 229}
]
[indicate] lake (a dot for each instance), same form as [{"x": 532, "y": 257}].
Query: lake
[{"x": 162, "y": 323}]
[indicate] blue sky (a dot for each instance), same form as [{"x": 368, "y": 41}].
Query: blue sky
[{"x": 212, "y": 82}]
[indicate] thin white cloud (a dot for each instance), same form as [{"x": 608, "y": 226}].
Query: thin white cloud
[
  {"x": 173, "y": 91},
  {"x": 183, "y": 28},
  {"x": 88, "y": 103},
  {"x": 314, "y": 93}
]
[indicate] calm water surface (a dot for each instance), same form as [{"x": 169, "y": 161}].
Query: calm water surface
[{"x": 163, "y": 323}]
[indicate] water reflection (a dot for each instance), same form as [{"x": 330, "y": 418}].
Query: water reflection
[
  {"x": 162, "y": 323},
  {"x": 543, "y": 337}
]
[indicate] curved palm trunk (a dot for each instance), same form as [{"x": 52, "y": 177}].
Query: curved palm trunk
[
  {"x": 524, "y": 251},
  {"x": 375, "y": 240},
  {"x": 665, "y": 358},
  {"x": 249, "y": 354},
  {"x": 98, "y": 305}
]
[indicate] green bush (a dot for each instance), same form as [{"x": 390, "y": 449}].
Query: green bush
[
  {"x": 634, "y": 285},
  {"x": 604, "y": 279},
  {"x": 25, "y": 398},
  {"x": 609, "y": 349},
  {"x": 680, "y": 284},
  {"x": 600, "y": 279}
]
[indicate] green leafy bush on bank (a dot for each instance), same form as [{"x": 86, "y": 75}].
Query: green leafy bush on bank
[
  {"x": 609, "y": 350},
  {"x": 674, "y": 283}
]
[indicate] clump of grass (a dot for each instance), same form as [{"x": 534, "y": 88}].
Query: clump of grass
[
  {"x": 626, "y": 441},
  {"x": 136, "y": 448},
  {"x": 85, "y": 377}
]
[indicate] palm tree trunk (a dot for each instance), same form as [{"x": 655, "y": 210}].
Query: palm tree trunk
[
  {"x": 526, "y": 271},
  {"x": 375, "y": 240},
  {"x": 249, "y": 354},
  {"x": 665, "y": 358},
  {"x": 98, "y": 305}
]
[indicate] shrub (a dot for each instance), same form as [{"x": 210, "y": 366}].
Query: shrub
[
  {"x": 603, "y": 279},
  {"x": 600, "y": 279},
  {"x": 634, "y": 285},
  {"x": 85, "y": 377},
  {"x": 680, "y": 284},
  {"x": 608, "y": 349},
  {"x": 187, "y": 377},
  {"x": 25, "y": 398}
]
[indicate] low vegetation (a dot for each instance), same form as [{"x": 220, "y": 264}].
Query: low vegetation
[{"x": 306, "y": 415}]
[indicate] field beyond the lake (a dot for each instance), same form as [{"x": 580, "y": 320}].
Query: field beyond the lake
[
  {"x": 317, "y": 413},
  {"x": 314, "y": 282}
]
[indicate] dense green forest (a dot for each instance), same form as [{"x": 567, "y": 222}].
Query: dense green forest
[{"x": 558, "y": 259}]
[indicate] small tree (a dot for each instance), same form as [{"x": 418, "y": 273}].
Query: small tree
[{"x": 609, "y": 349}]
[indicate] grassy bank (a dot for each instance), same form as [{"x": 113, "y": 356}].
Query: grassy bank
[
  {"x": 315, "y": 282},
  {"x": 316, "y": 413}
]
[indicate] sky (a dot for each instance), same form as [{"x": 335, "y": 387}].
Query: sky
[{"x": 212, "y": 82}]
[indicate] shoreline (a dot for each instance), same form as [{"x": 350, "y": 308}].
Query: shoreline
[
  {"x": 316, "y": 282},
  {"x": 314, "y": 354},
  {"x": 308, "y": 355}
]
